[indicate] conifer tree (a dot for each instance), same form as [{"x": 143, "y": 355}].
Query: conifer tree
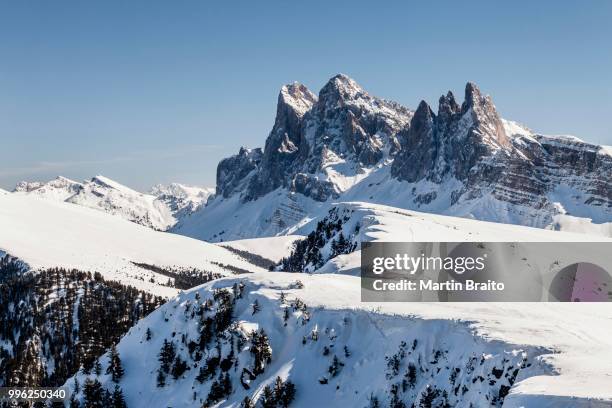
[
  {"x": 202, "y": 375},
  {"x": 247, "y": 403},
  {"x": 97, "y": 368},
  {"x": 107, "y": 398},
  {"x": 118, "y": 399},
  {"x": 260, "y": 347},
  {"x": 256, "y": 307},
  {"x": 267, "y": 399},
  {"x": 179, "y": 367},
  {"x": 115, "y": 368},
  {"x": 74, "y": 403},
  {"x": 161, "y": 378},
  {"x": 287, "y": 395},
  {"x": 278, "y": 388},
  {"x": 93, "y": 394}
]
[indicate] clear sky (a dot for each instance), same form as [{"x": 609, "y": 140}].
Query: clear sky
[{"x": 158, "y": 91}]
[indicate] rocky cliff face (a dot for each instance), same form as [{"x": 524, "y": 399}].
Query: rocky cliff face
[{"x": 463, "y": 160}]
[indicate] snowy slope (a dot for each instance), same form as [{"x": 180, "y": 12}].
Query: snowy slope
[
  {"x": 46, "y": 233},
  {"x": 272, "y": 248},
  {"x": 383, "y": 223},
  {"x": 560, "y": 351}
]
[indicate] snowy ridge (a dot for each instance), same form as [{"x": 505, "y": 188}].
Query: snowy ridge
[
  {"x": 364, "y": 222},
  {"x": 77, "y": 237}
]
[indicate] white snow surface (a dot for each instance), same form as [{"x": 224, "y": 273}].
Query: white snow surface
[
  {"x": 46, "y": 233},
  {"x": 566, "y": 222}
]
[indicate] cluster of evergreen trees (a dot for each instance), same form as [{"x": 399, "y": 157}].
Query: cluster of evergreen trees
[
  {"x": 282, "y": 395},
  {"x": 216, "y": 350},
  {"x": 307, "y": 254},
  {"x": 182, "y": 278},
  {"x": 64, "y": 319},
  {"x": 95, "y": 396}
]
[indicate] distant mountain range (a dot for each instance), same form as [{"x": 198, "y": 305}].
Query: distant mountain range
[
  {"x": 347, "y": 145},
  {"x": 160, "y": 209}
]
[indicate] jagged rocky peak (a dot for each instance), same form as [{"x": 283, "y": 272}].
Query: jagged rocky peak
[
  {"x": 344, "y": 124},
  {"x": 484, "y": 115},
  {"x": 447, "y": 105},
  {"x": 451, "y": 143},
  {"x": 340, "y": 88},
  {"x": 296, "y": 99},
  {"x": 420, "y": 146}
]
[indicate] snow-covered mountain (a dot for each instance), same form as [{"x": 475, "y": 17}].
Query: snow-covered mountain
[
  {"x": 60, "y": 188},
  {"x": 48, "y": 233},
  {"x": 347, "y": 145},
  {"x": 182, "y": 200},
  {"x": 158, "y": 210}
]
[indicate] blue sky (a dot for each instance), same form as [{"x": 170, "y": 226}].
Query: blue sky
[{"x": 157, "y": 91}]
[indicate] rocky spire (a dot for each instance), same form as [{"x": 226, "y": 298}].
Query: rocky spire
[
  {"x": 419, "y": 147},
  {"x": 294, "y": 101},
  {"x": 447, "y": 105},
  {"x": 484, "y": 116}
]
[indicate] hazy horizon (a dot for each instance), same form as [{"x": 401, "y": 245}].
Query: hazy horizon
[{"x": 153, "y": 92}]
